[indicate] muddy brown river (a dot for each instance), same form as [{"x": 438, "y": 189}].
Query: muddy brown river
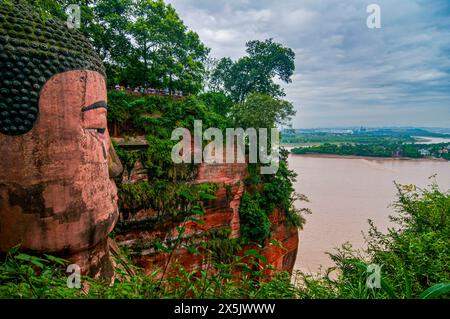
[{"x": 346, "y": 192}]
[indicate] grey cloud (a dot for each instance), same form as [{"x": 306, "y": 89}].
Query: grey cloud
[{"x": 346, "y": 74}]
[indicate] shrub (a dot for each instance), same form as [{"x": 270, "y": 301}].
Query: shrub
[
  {"x": 414, "y": 255},
  {"x": 255, "y": 224}
]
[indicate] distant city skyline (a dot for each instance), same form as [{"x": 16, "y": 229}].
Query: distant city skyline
[{"x": 346, "y": 74}]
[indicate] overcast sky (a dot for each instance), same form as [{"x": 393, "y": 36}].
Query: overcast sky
[{"x": 346, "y": 74}]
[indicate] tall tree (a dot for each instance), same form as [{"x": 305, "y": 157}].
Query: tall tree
[
  {"x": 255, "y": 72},
  {"x": 105, "y": 23},
  {"x": 166, "y": 53},
  {"x": 262, "y": 111},
  {"x": 142, "y": 42}
]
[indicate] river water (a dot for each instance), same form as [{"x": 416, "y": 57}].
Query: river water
[
  {"x": 431, "y": 140},
  {"x": 345, "y": 193}
]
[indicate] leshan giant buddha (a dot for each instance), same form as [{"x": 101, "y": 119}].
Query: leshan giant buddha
[{"x": 56, "y": 191}]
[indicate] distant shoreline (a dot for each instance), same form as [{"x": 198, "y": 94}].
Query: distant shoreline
[{"x": 370, "y": 157}]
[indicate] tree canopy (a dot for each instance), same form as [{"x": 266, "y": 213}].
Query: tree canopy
[
  {"x": 165, "y": 53},
  {"x": 142, "y": 42},
  {"x": 255, "y": 72},
  {"x": 262, "y": 111}
]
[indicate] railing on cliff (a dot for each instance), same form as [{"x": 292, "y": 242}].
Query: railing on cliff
[
  {"x": 177, "y": 95},
  {"x": 138, "y": 92}
]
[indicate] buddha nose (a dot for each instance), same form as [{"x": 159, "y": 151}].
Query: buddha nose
[{"x": 114, "y": 165}]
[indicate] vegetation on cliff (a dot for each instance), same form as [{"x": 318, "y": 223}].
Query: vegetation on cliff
[
  {"x": 414, "y": 257},
  {"x": 156, "y": 117},
  {"x": 266, "y": 193},
  {"x": 167, "y": 188}
]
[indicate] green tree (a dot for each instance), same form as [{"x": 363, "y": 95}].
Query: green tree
[
  {"x": 105, "y": 24},
  {"x": 217, "y": 102},
  {"x": 262, "y": 111},
  {"x": 46, "y": 8},
  {"x": 166, "y": 53},
  {"x": 141, "y": 42},
  {"x": 256, "y": 71}
]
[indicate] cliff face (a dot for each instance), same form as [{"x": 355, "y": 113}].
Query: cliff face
[
  {"x": 280, "y": 255},
  {"x": 222, "y": 212}
]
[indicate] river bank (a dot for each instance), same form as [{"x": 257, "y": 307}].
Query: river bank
[{"x": 370, "y": 157}]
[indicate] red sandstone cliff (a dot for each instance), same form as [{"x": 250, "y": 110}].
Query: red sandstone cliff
[{"x": 221, "y": 212}]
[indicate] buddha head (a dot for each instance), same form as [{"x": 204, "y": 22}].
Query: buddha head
[{"x": 56, "y": 190}]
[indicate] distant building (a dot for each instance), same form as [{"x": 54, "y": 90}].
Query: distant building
[
  {"x": 341, "y": 131},
  {"x": 424, "y": 152}
]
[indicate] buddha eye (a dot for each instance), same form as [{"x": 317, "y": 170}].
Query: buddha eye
[{"x": 97, "y": 130}]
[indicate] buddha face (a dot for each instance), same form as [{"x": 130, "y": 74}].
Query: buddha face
[{"x": 56, "y": 192}]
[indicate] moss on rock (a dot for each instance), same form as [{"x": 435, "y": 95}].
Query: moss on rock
[{"x": 32, "y": 51}]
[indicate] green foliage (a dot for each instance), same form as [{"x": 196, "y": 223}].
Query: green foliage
[
  {"x": 436, "y": 291},
  {"x": 142, "y": 42},
  {"x": 136, "y": 115},
  {"x": 119, "y": 108},
  {"x": 255, "y": 72},
  {"x": 292, "y": 136},
  {"x": 219, "y": 244},
  {"x": 414, "y": 255},
  {"x": 265, "y": 193},
  {"x": 165, "y": 198},
  {"x": 262, "y": 111},
  {"x": 167, "y": 191},
  {"x": 375, "y": 150},
  {"x": 127, "y": 158},
  {"x": 378, "y": 148},
  {"x": 21, "y": 278},
  {"x": 158, "y": 116},
  {"x": 414, "y": 259},
  {"x": 373, "y": 142},
  {"x": 46, "y": 8},
  {"x": 159, "y": 164},
  {"x": 279, "y": 193},
  {"x": 27, "y": 276},
  {"x": 105, "y": 23},
  {"x": 217, "y": 101},
  {"x": 255, "y": 224},
  {"x": 164, "y": 53}
]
